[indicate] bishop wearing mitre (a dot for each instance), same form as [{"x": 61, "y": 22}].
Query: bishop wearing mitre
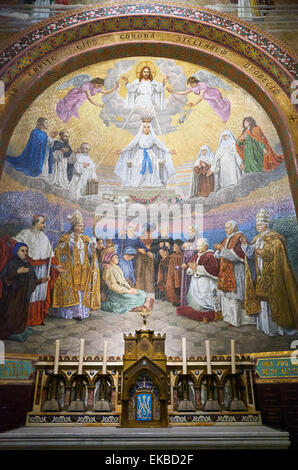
[{"x": 77, "y": 291}]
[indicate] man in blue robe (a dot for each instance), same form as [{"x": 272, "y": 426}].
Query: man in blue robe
[{"x": 33, "y": 161}]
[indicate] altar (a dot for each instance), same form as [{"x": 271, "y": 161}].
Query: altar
[
  {"x": 203, "y": 402},
  {"x": 183, "y": 103},
  {"x": 144, "y": 400}
]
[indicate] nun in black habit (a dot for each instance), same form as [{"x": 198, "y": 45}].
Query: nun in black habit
[{"x": 18, "y": 281}]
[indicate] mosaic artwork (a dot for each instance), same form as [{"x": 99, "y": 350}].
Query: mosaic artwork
[
  {"x": 121, "y": 18},
  {"x": 156, "y": 185}
]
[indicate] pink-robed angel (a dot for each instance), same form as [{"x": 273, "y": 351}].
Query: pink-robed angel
[
  {"x": 213, "y": 96},
  {"x": 69, "y": 106}
]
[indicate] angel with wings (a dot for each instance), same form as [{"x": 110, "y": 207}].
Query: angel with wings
[
  {"x": 85, "y": 89},
  {"x": 200, "y": 85}
]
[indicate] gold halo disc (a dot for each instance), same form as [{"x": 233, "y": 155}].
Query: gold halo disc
[{"x": 148, "y": 64}]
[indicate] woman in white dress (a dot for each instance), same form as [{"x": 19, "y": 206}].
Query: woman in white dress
[
  {"x": 145, "y": 162},
  {"x": 228, "y": 165}
]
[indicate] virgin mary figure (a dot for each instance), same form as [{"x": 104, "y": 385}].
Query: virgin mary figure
[{"x": 145, "y": 162}]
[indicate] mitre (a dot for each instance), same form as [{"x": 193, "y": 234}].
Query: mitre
[{"x": 76, "y": 218}]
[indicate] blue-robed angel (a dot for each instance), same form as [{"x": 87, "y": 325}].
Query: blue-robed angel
[{"x": 34, "y": 160}]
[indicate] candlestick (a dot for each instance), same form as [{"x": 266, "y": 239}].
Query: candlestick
[
  {"x": 80, "y": 371},
  {"x": 233, "y": 357},
  {"x": 104, "y": 364},
  {"x": 184, "y": 363},
  {"x": 207, "y": 343},
  {"x": 56, "y": 362}
]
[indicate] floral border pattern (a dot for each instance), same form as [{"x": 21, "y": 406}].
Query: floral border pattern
[{"x": 50, "y": 35}]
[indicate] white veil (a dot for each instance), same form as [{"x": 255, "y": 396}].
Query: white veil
[
  {"x": 208, "y": 158},
  {"x": 223, "y": 144},
  {"x": 158, "y": 147}
]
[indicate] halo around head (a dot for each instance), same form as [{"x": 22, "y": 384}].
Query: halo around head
[{"x": 148, "y": 64}]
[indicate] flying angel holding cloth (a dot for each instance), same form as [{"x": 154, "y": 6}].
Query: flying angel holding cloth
[
  {"x": 84, "y": 89},
  {"x": 202, "y": 84}
]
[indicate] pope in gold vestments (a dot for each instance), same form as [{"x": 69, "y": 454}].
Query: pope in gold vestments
[
  {"x": 78, "y": 290},
  {"x": 270, "y": 285}
]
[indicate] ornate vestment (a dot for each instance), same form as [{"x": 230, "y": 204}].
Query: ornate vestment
[
  {"x": 274, "y": 283},
  {"x": 231, "y": 281},
  {"x": 226, "y": 277},
  {"x": 80, "y": 275}
]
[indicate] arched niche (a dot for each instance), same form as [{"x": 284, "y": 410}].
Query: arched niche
[
  {"x": 151, "y": 373},
  {"x": 47, "y": 51}
]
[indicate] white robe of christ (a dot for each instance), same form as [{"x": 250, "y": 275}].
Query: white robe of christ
[{"x": 145, "y": 94}]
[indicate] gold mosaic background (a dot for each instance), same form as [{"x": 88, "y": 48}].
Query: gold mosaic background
[{"x": 203, "y": 127}]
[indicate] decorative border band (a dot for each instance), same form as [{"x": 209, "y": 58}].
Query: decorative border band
[
  {"x": 50, "y": 35},
  {"x": 216, "y": 418},
  {"x": 83, "y": 419}
]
